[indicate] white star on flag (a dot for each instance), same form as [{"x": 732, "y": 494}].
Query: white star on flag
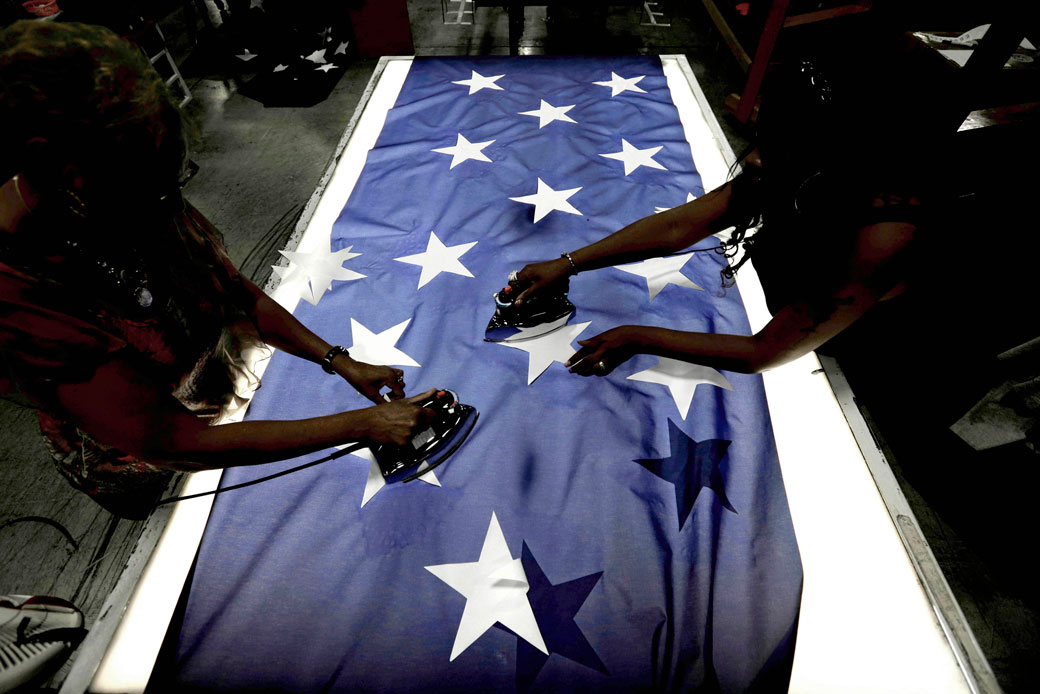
[
  {"x": 375, "y": 480},
  {"x": 478, "y": 82},
  {"x": 379, "y": 349},
  {"x": 341, "y": 49},
  {"x": 660, "y": 272},
  {"x": 463, "y": 150},
  {"x": 439, "y": 258},
  {"x": 326, "y": 67},
  {"x": 620, "y": 84},
  {"x": 246, "y": 55},
  {"x": 634, "y": 158},
  {"x": 495, "y": 587},
  {"x": 682, "y": 379},
  {"x": 690, "y": 197},
  {"x": 315, "y": 271},
  {"x": 316, "y": 57},
  {"x": 546, "y": 200},
  {"x": 279, "y": 68},
  {"x": 547, "y": 113},
  {"x": 544, "y": 350}
]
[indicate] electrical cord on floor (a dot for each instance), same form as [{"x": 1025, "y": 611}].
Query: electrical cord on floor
[
  {"x": 47, "y": 521},
  {"x": 271, "y": 240},
  {"x": 332, "y": 456}
]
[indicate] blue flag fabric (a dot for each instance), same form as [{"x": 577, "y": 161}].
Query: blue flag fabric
[{"x": 592, "y": 534}]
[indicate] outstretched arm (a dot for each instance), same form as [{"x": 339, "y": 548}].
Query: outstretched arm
[
  {"x": 122, "y": 408},
  {"x": 281, "y": 329},
  {"x": 795, "y": 330},
  {"x": 650, "y": 237}
]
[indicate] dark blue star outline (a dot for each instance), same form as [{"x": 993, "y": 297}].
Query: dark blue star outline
[
  {"x": 554, "y": 608},
  {"x": 691, "y": 466}
]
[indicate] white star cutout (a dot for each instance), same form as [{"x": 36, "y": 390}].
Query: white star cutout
[
  {"x": 495, "y": 587},
  {"x": 634, "y": 158},
  {"x": 547, "y": 113},
  {"x": 439, "y": 258},
  {"x": 682, "y": 379},
  {"x": 246, "y": 55},
  {"x": 478, "y": 82},
  {"x": 341, "y": 49},
  {"x": 279, "y": 67},
  {"x": 544, "y": 350},
  {"x": 660, "y": 272},
  {"x": 326, "y": 67},
  {"x": 379, "y": 349},
  {"x": 690, "y": 197},
  {"x": 546, "y": 200},
  {"x": 463, "y": 150},
  {"x": 316, "y": 57},
  {"x": 620, "y": 84},
  {"x": 375, "y": 480},
  {"x": 315, "y": 271}
]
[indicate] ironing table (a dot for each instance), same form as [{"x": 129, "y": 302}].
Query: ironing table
[{"x": 876, "y": 614}]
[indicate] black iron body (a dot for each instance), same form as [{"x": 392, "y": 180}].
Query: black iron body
[
  {"x": 433, "y": 445},
  {"x": 537, "y": 315}
]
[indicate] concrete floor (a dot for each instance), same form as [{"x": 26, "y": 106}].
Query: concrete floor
[{"x": 258, "y": 166}]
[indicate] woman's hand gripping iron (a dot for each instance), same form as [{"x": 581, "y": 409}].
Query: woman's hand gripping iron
[
  {"x": 539, "y": 314},
  {"x": 432, "y": 446}
]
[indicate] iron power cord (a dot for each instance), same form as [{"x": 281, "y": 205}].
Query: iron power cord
[{"x": 331, "y": 456}]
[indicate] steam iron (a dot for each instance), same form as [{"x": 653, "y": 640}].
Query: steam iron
[
  {"x": 539, "y": 315},
  {"x": 432, "y": 446}
]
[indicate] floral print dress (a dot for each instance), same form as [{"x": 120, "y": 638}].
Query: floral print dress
[{"x": 189, "y": 339}]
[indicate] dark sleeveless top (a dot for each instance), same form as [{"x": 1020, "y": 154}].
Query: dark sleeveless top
[{"x": 809, "y": 219}]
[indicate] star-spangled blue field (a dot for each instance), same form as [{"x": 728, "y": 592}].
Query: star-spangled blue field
[{"x": 657, "y": 549}]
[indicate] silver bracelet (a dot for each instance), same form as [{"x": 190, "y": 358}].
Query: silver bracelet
[
  {"x": 326, "y": 362},
  {"x": 574, "y": 268}
]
